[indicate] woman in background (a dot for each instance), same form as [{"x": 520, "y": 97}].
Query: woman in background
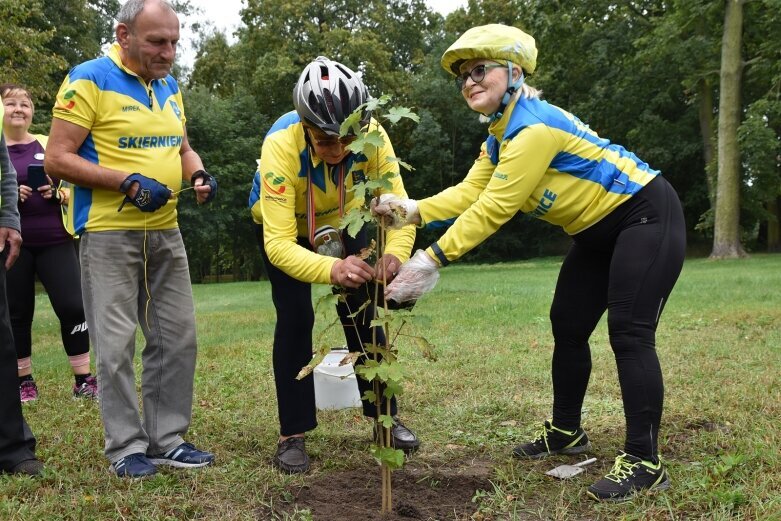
[{"x": 47, "y": 251}]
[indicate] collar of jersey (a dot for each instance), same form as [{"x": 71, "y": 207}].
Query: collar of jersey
[{"x": 498, "y": 127}]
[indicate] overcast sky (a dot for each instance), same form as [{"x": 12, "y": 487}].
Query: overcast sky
[{"x": 224, "y": 14}]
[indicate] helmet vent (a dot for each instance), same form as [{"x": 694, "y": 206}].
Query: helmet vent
[{"x": 329, "y": 102}]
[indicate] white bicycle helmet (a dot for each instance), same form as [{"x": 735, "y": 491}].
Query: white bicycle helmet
[{"x": 326, "y": 93}]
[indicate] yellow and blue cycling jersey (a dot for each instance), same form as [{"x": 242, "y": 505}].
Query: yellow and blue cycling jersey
[
  {"x": 279, "y": 199},
  {"x": 133, "y": 127},
  {"x": 540, "y": 160}
]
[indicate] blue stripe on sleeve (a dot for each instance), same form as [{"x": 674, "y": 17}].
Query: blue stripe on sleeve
[
  {"x": 254, "y": 194},
  {"x": 83, "y": 200},
  {"x": 603, "y": 173},
  {"x": 440, "y": 225}
]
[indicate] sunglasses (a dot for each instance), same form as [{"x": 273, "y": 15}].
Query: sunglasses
[
  {"x": 324, "y": 141},
  {"x": 477, "y": 74}
]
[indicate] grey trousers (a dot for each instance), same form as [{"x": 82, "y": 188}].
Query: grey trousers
[{"x": 132, "y": 278}]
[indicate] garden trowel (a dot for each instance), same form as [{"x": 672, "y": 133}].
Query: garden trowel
[{"x": 568, "y": 471}]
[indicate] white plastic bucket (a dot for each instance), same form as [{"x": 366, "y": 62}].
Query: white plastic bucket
[{"x": 336, "y": 387}]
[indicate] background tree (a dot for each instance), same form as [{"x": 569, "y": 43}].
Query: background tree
[
  {"x": 726, "y": 230},
  {"x": 24, "y": 55}
]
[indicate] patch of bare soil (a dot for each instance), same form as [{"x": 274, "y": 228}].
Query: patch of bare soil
[{"x": 421, "y": 491}]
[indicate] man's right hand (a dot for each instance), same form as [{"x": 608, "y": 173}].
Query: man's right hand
[
  {"x": 11, "y": 238},
  {"x": 145, "y": 193}
]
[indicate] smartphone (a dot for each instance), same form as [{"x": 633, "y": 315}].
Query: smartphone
[{"x": 36, "y": 177}]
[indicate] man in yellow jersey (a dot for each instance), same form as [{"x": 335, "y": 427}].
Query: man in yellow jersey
[
  {"x": 301, "y": 190},
  {"x": 17, "y": 443},
  {"x": 119, "y": 135},
  {"x": 628, "y": 246}
]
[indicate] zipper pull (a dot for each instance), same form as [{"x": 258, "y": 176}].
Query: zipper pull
[{"x": 151, "y": 103}]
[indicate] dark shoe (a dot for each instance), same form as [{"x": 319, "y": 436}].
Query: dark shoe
[
  {"x": 629, "y": 476},
  {"x": 134, "y": 465},
  {"x": 89, "y": 389},
  {"x": 552, "y": 440},
  {"x": 28, "y": 391},
  {"x": 184, "y": 456},
  {"x": 29, "y": 467},
  {"x": 401, "y": 437},
  {"x": 291, "y": 456}
]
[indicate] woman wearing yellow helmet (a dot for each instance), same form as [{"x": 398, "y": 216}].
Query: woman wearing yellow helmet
[{"x": 628, "y": 245}]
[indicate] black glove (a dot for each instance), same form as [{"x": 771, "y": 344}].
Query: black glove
[
  {"x": 151, "y": 194},
  {"x": 208, "y": 180}
]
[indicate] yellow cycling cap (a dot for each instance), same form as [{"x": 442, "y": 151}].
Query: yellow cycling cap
[{"x": 495, "y": 42}]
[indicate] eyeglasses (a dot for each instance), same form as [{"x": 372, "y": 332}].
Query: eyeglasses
[
  {"x": 329, "y": 141},
  {"x": 477, "y": 74}
]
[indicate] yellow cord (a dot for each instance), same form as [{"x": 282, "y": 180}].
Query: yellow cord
[
  {"x": 146, "y": 260},
  {"x": 146, "y": 281}
]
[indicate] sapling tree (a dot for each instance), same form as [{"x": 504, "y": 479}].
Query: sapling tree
[{"x": 380, "y": 362}]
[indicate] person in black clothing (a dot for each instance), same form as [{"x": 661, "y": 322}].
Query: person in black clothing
[{"x": 17, "y": 443}]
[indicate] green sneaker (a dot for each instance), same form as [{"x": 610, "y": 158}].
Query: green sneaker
[
  {"x": 629, "y": 476},
  {"x": 552, "y": 440}
]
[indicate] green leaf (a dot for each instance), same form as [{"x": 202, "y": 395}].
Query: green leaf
[
  {"x": 393, "y": 458},
  {"x": 375, "y": 103},
  {"x": 401, "y": 163},
  {"x": 354, "y": 221},
  {"x": 385, "y": 420},
  {"x": 392, "y": 388},
  {"x": 395, "y": 114},
  {"x": 351, "y": 125},
  {"x": 368, "y": 370},
  {"x": 426, "y": 348},
  {"x": 325, "y": 304},
  {"x": 367, "y": 143},
  {"x": 369, "y": 396}
]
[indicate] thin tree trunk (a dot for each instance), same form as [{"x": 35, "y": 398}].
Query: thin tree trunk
[
  {"x": 705, "y": 91},
  {"x": 726, "y": 232},
  {"x": 773, "y": 227}
]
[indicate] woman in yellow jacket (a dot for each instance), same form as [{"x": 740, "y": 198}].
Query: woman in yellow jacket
[{"x": 628, "y": 245}]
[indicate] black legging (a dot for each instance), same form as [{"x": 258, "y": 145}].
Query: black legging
[
  {"x": 17, "y": 442},
  {"x": 293, "y": 338},
  {"x": 628, "y": 264},
  {"x": 57, "y": 268}
]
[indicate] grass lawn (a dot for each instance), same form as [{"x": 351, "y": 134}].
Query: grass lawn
[{"x": 719, "y": 342}]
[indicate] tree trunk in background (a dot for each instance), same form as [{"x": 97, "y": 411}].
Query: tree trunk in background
[
  {"x": 726, "y": 230},
  {"x": 774, "y": 226},
  {"x": 708, "y": 138}
]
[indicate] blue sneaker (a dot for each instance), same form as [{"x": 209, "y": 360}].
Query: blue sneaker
[
  {"x": 133, "y": 466},
  {"x": 184, "y": 456}
]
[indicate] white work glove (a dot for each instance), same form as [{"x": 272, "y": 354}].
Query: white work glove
[
  {"x": 416, "y": 277},
  {"x": 394, "y": 211}
]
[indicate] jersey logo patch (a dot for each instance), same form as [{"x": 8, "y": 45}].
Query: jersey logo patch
[
  {"x": 175, "y": 108},
  {"x": 68, "y": 97},
  {"x": 275, "y": 180}
]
